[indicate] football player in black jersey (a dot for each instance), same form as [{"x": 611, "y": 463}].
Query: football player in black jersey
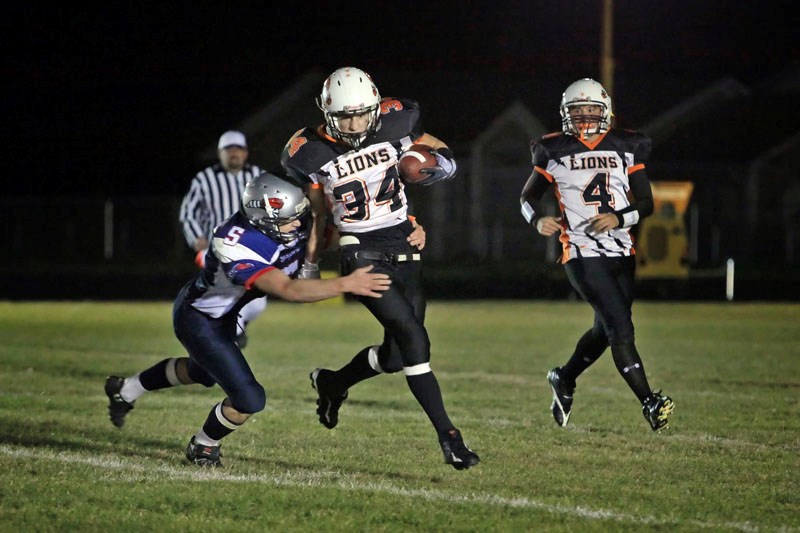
[
  {"x": 350, "y": 165},
  {"x": 596, "y": 170}
]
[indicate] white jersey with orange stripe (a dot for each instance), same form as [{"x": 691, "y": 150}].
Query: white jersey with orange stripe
[{"x": 590, "y": 179}]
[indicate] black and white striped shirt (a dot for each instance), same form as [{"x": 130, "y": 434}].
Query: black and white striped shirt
[{"x": 213, "y": 196}]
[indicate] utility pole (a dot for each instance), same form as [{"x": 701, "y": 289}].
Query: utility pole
[{"x": 607, "y": 47}]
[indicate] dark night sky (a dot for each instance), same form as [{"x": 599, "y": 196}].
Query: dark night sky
[{"x": 121, "y": 100}]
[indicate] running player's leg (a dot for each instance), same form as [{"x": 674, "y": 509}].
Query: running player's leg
[
  {"x": 607, "y": 284},
  {"x": 215, "y": 357}
]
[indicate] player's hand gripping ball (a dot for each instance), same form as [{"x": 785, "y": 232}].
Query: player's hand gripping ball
[{"x": 417, "y": 157}]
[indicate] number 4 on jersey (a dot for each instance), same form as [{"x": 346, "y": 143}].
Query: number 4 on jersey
[{"x": 596, "y": 193}]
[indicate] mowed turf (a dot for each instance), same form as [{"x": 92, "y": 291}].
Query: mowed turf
[{"x": 729, "y": 461}]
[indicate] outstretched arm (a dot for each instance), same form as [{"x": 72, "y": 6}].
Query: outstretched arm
[{"x": 361, "y": 282}]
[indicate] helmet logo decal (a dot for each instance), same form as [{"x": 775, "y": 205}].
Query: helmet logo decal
[{"x": 275, "y": 203}]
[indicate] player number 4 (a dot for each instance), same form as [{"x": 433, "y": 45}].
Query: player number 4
[{"x": 596, "y": 193}]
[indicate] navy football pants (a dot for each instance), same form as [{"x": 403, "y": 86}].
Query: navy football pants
[{"x": 214, "y": 357}]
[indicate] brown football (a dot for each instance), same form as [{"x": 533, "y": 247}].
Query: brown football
[{"x": 414, "y": 159}]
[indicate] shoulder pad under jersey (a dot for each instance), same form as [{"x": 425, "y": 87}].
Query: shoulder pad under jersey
[
  {"x": 632, "y": 141},
  {"x": 307, "y": 151},
  {"x": 400, "y": 117}
]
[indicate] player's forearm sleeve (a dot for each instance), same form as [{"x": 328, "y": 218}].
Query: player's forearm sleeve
[
  {"x": 528, "y": 212},
  {"x": 532, "y": 192},
  {"x": 642, "y": 205}
]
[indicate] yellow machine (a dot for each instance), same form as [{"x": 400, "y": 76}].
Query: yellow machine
[{"x": 661, "y": 242}]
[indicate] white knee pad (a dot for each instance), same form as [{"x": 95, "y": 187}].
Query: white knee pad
[{"x": 372, "y": 357}]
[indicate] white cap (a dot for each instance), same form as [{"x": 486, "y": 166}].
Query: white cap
[{"x": 232, "y": 138}]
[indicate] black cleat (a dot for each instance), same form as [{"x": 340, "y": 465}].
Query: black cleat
[
  {"x": 202, "y": 455},
  {"x": 562, "y": 397},
  {"x": 656, "y": 410},
  {"x": 117, "y": 407},
  {"x": 457, "y": 453},
  {"x": 329, "y": 402}
]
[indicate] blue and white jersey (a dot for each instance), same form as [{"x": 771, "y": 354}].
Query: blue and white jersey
[{"x": 237, "y": 256}]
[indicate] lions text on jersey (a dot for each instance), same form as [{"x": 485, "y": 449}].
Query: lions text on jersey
[
  {"x": 239, "y": 253},
  {"x": 591, "y": 179}
]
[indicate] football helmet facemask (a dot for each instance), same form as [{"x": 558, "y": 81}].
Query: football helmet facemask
[
  {"x": 269, "y": 202},
  {"x": 585, "y": 92},
  {"x": 349, "y": 91}
]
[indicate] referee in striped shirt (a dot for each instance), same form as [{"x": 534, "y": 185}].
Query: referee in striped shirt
[{"x": 214, "y": 195}]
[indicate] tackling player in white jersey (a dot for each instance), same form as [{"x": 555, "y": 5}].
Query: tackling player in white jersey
[
  {"x": 350, "y": 163},
  {"x": 603, "y": 190}
]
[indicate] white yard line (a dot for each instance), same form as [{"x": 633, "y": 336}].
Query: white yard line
[{"x": 334, "y": 479}]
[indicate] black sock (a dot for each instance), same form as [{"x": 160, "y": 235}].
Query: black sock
[
  {"x": 630, "y": 366},
  {"x": 588, "y": 350},
  {"x": 426, "y": 390},
  {"x": 356, "y": 371},
  {"x": 214, "y": 427},
  {"x": 155, "y": 377}
]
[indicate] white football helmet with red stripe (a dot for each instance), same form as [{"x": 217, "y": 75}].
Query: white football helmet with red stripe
[
  {"x": 349, "y": 91},
  {"x": 585, "y": 92}
]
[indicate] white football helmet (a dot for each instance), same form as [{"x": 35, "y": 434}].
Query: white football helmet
[
  {"x": 583, "y": 92},
  {"x": 349, "y": 91},
  {"x": 269, "y": 202}
]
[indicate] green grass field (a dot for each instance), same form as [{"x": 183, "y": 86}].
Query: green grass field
[{"x": 729, "y": 462}]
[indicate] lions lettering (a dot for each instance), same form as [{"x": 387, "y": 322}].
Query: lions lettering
[
  {"x": 362, "y": 161},
  {"x": 592, "y": 162}
]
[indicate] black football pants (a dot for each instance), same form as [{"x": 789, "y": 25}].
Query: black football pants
[
  {"x": 607, "y": 284},
  {"x": 401, "y": 309}
]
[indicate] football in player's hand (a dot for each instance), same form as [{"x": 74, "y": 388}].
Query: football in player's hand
[{"x": 414, "y": 159}]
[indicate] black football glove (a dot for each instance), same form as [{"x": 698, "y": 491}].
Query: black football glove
[{"x": 444, "y": 170}]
